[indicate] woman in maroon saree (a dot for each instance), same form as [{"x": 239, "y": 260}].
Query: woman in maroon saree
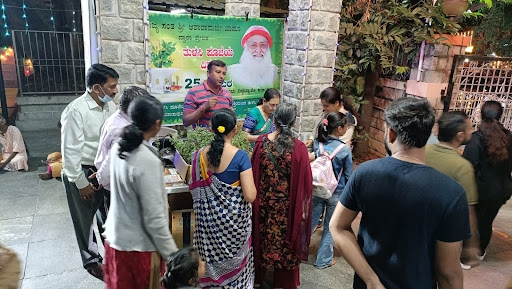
[{"x": 282, "y": 209}]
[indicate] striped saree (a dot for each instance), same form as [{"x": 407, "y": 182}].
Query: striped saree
[{"x": 223, "y": 229}]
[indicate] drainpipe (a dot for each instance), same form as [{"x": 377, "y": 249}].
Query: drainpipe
[{"x": 422, "y": 52}]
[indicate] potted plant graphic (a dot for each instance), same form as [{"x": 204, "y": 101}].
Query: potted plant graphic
[{"x": 161, "y": 71}]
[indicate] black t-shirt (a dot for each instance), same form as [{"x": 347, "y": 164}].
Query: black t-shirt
[{"x": 405, "y": 209}]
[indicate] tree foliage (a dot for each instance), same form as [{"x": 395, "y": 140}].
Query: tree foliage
[
  {"x": 382, "y": 36},
  {"x": 383, "y": 31},
  {"x": 493, "y": 33}
]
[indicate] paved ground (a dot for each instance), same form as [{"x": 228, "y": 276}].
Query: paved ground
[{"x": 35, "y": 222}]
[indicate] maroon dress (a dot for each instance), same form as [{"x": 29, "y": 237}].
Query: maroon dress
[{"x": 281, "y": 211}]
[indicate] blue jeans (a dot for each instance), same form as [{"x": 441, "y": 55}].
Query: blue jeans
[{"x": 325, "y": 251}]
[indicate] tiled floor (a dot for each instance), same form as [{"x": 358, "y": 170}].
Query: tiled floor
[{"x": 35, "y": 222}]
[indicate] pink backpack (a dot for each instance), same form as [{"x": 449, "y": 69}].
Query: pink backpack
[{"x": 324, "y": 180}]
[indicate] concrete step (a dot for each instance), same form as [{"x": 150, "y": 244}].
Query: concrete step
[
  {"x": 42, "y": 107},
  {"x": 46, "y": 99},
  {"x": 41, "y": 112},
  {"x": 39, "y": 115},
  {"x": 37, "y": 125}
]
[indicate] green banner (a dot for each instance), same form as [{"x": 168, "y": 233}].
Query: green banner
[{"x": 182, "y": 46}]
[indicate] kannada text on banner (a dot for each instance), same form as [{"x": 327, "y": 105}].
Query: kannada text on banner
[{"x": 182, "y": 47}]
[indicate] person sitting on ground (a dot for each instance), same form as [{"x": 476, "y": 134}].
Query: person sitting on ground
[
  {"x": 54, "y": 167},
  {"x": 14, "y": 154},
  {"x": 183, "y": 269}
]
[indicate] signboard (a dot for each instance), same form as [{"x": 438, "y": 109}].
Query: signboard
[{"x": 182, "y": 46}]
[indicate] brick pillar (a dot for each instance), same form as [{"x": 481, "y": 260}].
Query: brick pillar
[
  {"x": 320, "y": 47},
  {"x": 121, "y": 35},
  {"x": 240, "y": 7},
  {"x": 437, "y": 64}
]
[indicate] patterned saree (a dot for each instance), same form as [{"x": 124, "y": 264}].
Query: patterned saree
[{"x": 223, "y": 229}]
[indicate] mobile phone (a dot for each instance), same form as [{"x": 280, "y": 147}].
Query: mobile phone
[{"x": 93, "y": 181}]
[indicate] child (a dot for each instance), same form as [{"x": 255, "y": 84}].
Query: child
[
  {"x": 329, "y": 131},
  {"x": 183, "y": 269},
  {"x": 54, "y": 167}
]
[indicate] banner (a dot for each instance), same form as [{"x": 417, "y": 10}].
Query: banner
[{"x": 182, "y": 46}]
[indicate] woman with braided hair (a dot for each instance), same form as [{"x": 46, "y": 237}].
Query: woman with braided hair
[
  {"x": 282, "y": 209},
  {"x": 222, "y": 189},
  {"x": 137, "y": 227}
]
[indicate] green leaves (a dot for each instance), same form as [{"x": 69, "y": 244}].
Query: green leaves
[
  {"x": 161, "y": 54},
  {"x": 200, "y": 137}
]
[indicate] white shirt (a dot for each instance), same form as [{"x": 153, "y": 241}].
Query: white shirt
[
  {"x": 110, "y": 134},
  {"x": 81, "y": 124}
]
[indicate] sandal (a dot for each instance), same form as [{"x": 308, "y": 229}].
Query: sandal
[
  {"x": 97, "y": 272},
  {"x": 333, "y": 262}
]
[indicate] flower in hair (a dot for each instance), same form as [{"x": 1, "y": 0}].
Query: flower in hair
[{"x": 221, "y": 129}]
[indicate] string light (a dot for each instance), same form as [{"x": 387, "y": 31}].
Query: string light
[
  {"x": 24, "y": 16},
  {"x": 51, "y": 15},
  {"x": 4, "y": 18},
  {"x": 74, "y": 25}
]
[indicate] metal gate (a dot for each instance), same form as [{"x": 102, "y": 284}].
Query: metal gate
[
  {"x": 476, "y": 79},
  {"x": 49, "y": 62}
]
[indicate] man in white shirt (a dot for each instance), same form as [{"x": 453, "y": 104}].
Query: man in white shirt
[
  {"x": 81, "y": 124},
  {"x": 110, "y": 134}
]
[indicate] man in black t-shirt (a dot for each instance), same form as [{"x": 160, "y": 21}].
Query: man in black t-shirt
[{"x": 413, "y": 217}]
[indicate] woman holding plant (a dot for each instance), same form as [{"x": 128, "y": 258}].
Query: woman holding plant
[{"x": 223, "y": 188}]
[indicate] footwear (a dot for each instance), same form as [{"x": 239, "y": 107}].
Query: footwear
[
  {"x": 465, "y": 267},
  {"x": 333, "y": 262},
  {"x": 481, "y": 258},
  {"x": 45, "y": 176},
  {"x": 97, "y": 272}
]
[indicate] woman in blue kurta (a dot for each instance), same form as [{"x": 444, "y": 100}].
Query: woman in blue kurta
[{"x": 260, "y": 119}]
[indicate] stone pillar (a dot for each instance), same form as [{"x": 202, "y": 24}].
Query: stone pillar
[
  {"x": 240, "y": 7},
  {"x": 121, "y": 34},
  {"x": 320, "y": 49}
]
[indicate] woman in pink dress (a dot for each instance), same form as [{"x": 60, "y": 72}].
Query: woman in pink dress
[{"x": 14, "y": 154}]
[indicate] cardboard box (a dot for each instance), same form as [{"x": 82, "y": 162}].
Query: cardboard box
[{"x": 182, "y": 227}]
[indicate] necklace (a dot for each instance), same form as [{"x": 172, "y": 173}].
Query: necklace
[{"x": 416, "y": 160}]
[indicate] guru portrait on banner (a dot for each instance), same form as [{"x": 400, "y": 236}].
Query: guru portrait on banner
[{"x": 255, "y": 68}]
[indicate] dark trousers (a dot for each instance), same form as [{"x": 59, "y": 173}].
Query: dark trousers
[
  {"x": 82, "y": 214},
  {"x": 486, "y": 212}
]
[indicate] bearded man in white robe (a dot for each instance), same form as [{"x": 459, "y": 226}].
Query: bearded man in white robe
[{"x": 255, "y": 69}]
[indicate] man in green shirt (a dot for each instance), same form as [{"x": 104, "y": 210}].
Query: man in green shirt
[{"x": 455, "y": 130}]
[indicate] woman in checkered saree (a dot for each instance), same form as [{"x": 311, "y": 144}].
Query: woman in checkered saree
[{"x": 223, "y": 188}]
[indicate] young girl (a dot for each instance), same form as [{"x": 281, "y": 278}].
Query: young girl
[
  {"x": 183, "y": 269},
  {"x": 329, "y": 131}
]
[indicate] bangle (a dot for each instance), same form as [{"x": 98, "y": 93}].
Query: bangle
[{"x": 202, "y": 108}]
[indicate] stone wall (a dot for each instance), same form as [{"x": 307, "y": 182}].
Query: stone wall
[
  {"x": 121, "y": 36},
  {"x": 320, "y": 47},
  {"x": 240, "y": 7}
]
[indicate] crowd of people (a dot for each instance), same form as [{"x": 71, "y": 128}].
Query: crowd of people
[{"x": 426, "y": 210}]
